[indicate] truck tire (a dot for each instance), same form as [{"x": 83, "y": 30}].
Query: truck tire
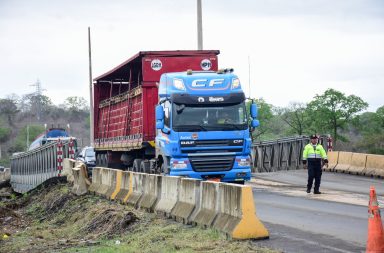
[
  {"x": 136, "y": 165},
  {"x": 145, "y": 167},
  {"x": 105, "y": 160}
]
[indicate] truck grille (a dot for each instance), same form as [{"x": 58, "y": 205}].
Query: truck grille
[{"x": 209, "y": 163}]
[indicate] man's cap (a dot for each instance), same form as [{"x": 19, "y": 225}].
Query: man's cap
[{"x": 313, "y": 136}]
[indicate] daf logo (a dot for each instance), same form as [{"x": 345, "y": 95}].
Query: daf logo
[
  {"x": 187, "y": 142},
  {"x": 216, "y": 99},
  {"x": 200, "y": 100},
  {"x": 194, "y": 136},
  {"x": 206, "y": 83}
]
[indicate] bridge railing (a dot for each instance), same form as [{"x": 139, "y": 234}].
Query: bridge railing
[
  {"x": 281, "y": 154},
  {"x": 31, "y": 168}
]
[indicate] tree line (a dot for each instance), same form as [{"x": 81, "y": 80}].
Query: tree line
[
  {"x": 22, "y": 118},
  {"x": 333, "y": 113}
]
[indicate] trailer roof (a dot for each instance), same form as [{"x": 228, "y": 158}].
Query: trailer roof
[{"x": 124, "y": 67}]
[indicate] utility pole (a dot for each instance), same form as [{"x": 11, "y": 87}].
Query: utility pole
[
  {"x": 199, "y": 26},
  {"x": 90, "y": 89},
  {"x": 38, "y": 96}
]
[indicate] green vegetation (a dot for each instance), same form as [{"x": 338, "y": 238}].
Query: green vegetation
[
  {"x": 23, "y": 118},
  {"x": 54, "y": 220},
  {"x": 332, "y": 112}
]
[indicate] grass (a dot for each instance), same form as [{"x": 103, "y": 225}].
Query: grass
[{"x": 58, "y": 221}]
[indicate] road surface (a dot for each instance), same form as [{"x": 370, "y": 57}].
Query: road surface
[{"x": 335, "y": 221}]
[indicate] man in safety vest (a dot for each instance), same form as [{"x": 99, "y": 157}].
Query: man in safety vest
[{"x": 313, "y": 156}]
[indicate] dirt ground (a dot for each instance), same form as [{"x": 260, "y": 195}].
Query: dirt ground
[{"x": 52, "y": 219}]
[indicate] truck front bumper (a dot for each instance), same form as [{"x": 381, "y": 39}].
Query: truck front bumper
[{"x": 239, "y": 171}]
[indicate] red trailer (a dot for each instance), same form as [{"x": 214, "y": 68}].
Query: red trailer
[{"x": 125, "y": 99}]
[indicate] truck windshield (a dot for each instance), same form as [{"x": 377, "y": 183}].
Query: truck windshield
[{"x": 209, "y": 117}]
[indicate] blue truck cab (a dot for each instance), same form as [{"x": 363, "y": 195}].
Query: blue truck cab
[{"x": 203, "y": 128}]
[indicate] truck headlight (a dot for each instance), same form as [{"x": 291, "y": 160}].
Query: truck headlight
[
  {"x": 235, "y": 83},
  {"x": 243, "y": 162},
  {"x": 179, "y": 84}
]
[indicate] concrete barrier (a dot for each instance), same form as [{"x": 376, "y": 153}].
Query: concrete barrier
[
  {"x": 151, "y": 192},
  {"x": 5, "y": 175},
  {"x": 344, "y": 161},
  {"x": 112, "y": 179},
  {"x": 333, "y": 156},
  {"x": 68, "y": 165},
  {"x": 125, "y": 188},
  {"x": 188, "y": 200},
  {"x": 209, "y": 204},
  {"x": 138, "y": 182},
  {"x": 105, "y": 183},
  {"x": 169, "y": 194},
  {"x": 358, "y": 162},
  {"x": 96, "y": 180},
  {"x": 80, "y": 183},
  {"x": 116, "y": 184},
  {"x": 237, "y": 214},
  {"x": 374, "y": 166}
]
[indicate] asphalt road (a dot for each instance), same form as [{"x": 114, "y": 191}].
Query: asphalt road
[{"x": 335, "y": 221}]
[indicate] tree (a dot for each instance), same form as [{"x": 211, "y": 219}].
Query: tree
[
  {"x": 295, "y": 115},
  {"x": 265, "y": 116},
  {"x": 8, "y": 108},
  {"x": 331, "y": 112},
  {"x": 38, "y": 104},
  {"x": 4, "y": 136},
  {"x": 26, "y": 136},
  {"x": 371, "y": 127},
  {"x": 76, "y": 104}
]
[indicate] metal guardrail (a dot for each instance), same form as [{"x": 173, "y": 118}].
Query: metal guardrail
[
  {"x": 281, "y": 154},
  {"x": 30, "y": 169}
]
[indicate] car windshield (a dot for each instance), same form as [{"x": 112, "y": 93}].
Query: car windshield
[
  {"x": 209, "y": 118},
  {"x": 90, "y": 152}
]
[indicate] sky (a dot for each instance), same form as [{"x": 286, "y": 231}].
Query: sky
[{"x": 283, "y": 50}]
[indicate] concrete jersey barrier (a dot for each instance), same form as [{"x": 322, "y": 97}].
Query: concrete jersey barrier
[
  {"x": 237, "y": 214},
  {"x": 209, "y": 204},
  {"x": 333, "y": 157},
  {"x": 170, "y": 186},
  {"x": 105, "y": 182},
  {"x": 188, "y": 200},
  {"x": 125, "y": 187},
  {"x": 96, "y": 179},
  {"x": 80, "y": 182},
  {"x": 138, "y": 182},
  {"x": 374, "y": 166},
  {"x": 151, "y": 192},
  {"x": 358, "y": 162},
  {"x": 344, "y": 161},
  {"x": 5, "y": 175},
  {"x": 227, "y": 207}
]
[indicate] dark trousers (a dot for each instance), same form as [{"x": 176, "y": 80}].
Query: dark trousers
[{"x": 314, "y": 172}]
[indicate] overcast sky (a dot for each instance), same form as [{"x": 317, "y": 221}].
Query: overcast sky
[{"x": 297, "y": 48}]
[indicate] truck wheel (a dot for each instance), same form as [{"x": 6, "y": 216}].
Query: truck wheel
[
  {"x": 136, "y": 165},
  {"x": 144, "y": 167},
  {"x": 105, "y": 160}
]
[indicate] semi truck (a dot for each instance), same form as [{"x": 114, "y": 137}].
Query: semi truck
[{"x": 176, "y": 113}]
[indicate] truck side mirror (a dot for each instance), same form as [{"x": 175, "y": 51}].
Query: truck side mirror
[
  {"x": 159, "y": 117},
  {"x": 254, "y": 111},
  {"x": 255, "y": 123}
]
